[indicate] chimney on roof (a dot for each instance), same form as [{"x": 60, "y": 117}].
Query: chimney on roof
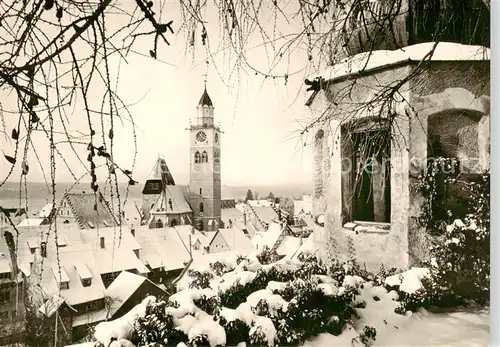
[{"x": 103, "y": 245}]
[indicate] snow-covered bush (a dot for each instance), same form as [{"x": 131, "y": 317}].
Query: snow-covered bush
[
  {"x": 236, "y": 330},
  {"x": 367, "y": 336},
  {"x": 267, "y": 256},
  {"x": 209, "y": 304},
  {"x": 282, "y": 303},
  {"x": 200, "y": 279},
  {"x": 460, "y": 264},
  {"x": 157, "y": 326},
  {"x": 219, "y": 268}
]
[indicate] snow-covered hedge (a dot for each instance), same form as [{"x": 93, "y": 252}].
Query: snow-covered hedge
[
  {"x": 282, "y": 303},
  {"x": 460, "y": 251}
]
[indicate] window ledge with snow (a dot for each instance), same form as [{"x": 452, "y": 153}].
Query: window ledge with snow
[{"x": 368, "y": 227}]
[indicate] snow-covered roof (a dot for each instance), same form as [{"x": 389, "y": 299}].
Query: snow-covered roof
[
  {"x": 163, "y": 247},
  {"x": 265, "y": 214},
  {"x": 45, "y": 211},
  {"x": 90, "y": 317},
  {"x": 51, "y": 305},
  {"x": 232, "y": 214},
  {"x": 267, "y": 238},
  {"x": 83, "y": 206},
  {"x": 237, "y": 241},
  {"x": 307, "y": 246},
  {"x": 241, "y": 207},
  {"x": 132, "y": 214},
  {"x": 161, "y": 172},
  {"x": 444, "y": 51},
  {"x": 31, "y": 222},
  {"x": 261, "y": 202},
  {"x": 288, "y": 246},
  {"x": 81, "y": 258},
  {"x": 122, "y": 289},
  {"x": 304, "y": 205},
  {"x": 171, "y": 201}
]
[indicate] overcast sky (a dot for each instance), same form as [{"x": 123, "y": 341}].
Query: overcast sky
[{"x": 258, "y": 116}]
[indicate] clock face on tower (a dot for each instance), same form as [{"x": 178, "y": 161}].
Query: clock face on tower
[{"x": 201, "y": 136}]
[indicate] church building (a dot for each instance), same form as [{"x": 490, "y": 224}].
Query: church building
[{"x": 199, "y": 204}]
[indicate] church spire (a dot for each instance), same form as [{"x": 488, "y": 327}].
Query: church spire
[{"x": 205, "y": 98}]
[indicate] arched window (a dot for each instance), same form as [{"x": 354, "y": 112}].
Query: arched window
[
  {"x": 204, "y": 157},
  {"x": 453, "y": 134},
  {"x": 170, "y": 203},
  {"x": 197, "y": 158},
  {"x": 173, "y": 223},
  {"x": 201, "y": 191},
  {"x": 201, "y": 207},
  {"x": 318, "y": 163},
  {"x": 159, "y": 223}
]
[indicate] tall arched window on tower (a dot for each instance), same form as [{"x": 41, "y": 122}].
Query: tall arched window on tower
[
  {"x": 197, "y": 158},
  {"x": 204, "y": 157},
  {"x": 201, "y": 207}
]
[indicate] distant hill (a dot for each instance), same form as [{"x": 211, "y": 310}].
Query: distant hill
[
  {"x": 39, "y": 193},
  {"x": 240, "y": 192}
]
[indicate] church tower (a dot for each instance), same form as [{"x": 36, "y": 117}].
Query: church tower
[{"x": 205, "y": 180}]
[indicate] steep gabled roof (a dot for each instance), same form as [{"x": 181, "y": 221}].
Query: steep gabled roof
[
  {"x": 171, "y": 201},
  {"x": 122, "y": 288},
  {"x": 91, "y": 211},
  {"x": 237, "y": 240},
  {"x": 160, "y": 176}
]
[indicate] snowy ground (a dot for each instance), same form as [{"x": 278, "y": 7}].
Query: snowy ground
[{"x": 467, "y": 329}]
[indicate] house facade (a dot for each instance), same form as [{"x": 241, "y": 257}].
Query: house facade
[{"x": 446, "y": 104}]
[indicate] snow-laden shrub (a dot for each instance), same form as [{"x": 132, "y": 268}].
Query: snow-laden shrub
[
  {"x": 209, "y": 304},
  {"x": 461, "y": 262},
  {"x": 236, "y": 330},
  {"x": 219, "y": 268},
  {"x": 200, "y": 279},
  {"x": 460, "y": 253},
  {"x": 199, "y": 341},
  {"x": 273, "y": 306},
  {"x": 267, "y": 256},
  {"x": 310, "y": 265},
  {"x": 157, "y": 326},
  {"x": 367, "y": 336},
  {"x": 238, "y": 293}
]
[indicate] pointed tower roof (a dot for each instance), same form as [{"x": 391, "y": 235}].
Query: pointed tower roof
[
  {"x": 205, "y": 99},
  {"x": 160, "y": 174}
]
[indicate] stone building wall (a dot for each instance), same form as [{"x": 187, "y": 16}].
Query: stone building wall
[{"x": 456, "y": 86}]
